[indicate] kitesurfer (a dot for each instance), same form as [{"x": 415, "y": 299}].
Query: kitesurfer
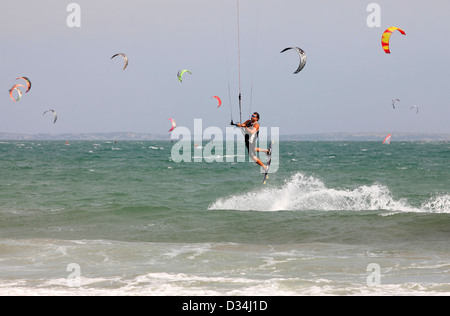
[{"x": 251, "y": 129}]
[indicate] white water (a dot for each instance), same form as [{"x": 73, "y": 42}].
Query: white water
[{"x": 303, "y": 193}]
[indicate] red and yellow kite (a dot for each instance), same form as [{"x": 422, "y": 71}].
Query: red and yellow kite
[{"x": 386, "y": 37}]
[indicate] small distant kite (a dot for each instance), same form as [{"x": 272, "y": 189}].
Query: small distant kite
[
  {"x": 414, "y": 107},
  {"x": 218, "y": 100},
  {"x": 302, "y": 54},
  {"x": 387, "y": 140},
  {"x": 28, "y": 83},
  {"x": 125, "y": 58},
  {"x": 393, "y": 102},
  {"x": 181, "y": 72},
  {"x": 386, "y": 37},
  {"x": 174, "y": 124},
  {"x": 19, "y": 92},
  {"x": 55, "y": 116}
]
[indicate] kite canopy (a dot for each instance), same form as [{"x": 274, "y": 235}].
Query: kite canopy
[
  {"x": 28, "y": 83},
  {"x": 218, "y": 100},
  {"x": 125, "y": 58},
  {"x": 181, "y": 73},
  {"x": 302, "y": 54},
  {"x": 19, "y": 92},
  {"x": 387, "y": 140},
  {"x": 174, "y": 124},
  {"x": 387, "y": 36},
  {"x": 393, "y": 102},
  {"x": 55, "y": 116}
]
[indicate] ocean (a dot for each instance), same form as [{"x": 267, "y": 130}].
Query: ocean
[{"x": 123, "y": 218}]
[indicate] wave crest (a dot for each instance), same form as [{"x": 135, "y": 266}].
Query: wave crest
[{"x": 304, "y": 193}]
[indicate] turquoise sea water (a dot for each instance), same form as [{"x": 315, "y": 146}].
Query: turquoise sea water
[{"x": 106, "y": 218}]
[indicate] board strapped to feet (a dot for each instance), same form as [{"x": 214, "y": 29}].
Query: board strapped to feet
[{"x": 266, "y": 172}]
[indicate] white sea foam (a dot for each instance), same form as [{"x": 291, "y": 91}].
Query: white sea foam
[
  {"x": 127, "y": 268},
  {"x": 185, "y": 285},
  {"x": 439, "y": 204},
  {"x": 304, "y": 193}
]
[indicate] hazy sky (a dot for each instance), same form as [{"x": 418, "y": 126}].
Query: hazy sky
[{"x": 346, "y": 86}]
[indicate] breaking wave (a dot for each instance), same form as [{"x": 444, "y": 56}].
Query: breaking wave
[{"x": 303, "y": 193}]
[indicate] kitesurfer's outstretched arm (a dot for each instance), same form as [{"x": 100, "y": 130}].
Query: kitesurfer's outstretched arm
[{"x": 243, "y": 124}]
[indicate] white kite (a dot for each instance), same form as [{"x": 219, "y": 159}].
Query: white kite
[
  {"x": 415, "y": 107},
  {"x": 393, "y": 102},
  {"x": 55, "y": 116}
]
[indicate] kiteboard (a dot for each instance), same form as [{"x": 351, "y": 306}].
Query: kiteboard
[{"x": 266, "y": 172}]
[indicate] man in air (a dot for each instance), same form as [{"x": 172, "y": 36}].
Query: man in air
[{"x": 251, "y": 129}]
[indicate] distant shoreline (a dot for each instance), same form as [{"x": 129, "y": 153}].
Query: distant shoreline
[{"x": 130, "y": 136}]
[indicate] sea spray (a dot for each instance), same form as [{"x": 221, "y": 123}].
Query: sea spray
[
  {"x": 438, "y": 204},
  {"x": 302, "y": 193}
]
